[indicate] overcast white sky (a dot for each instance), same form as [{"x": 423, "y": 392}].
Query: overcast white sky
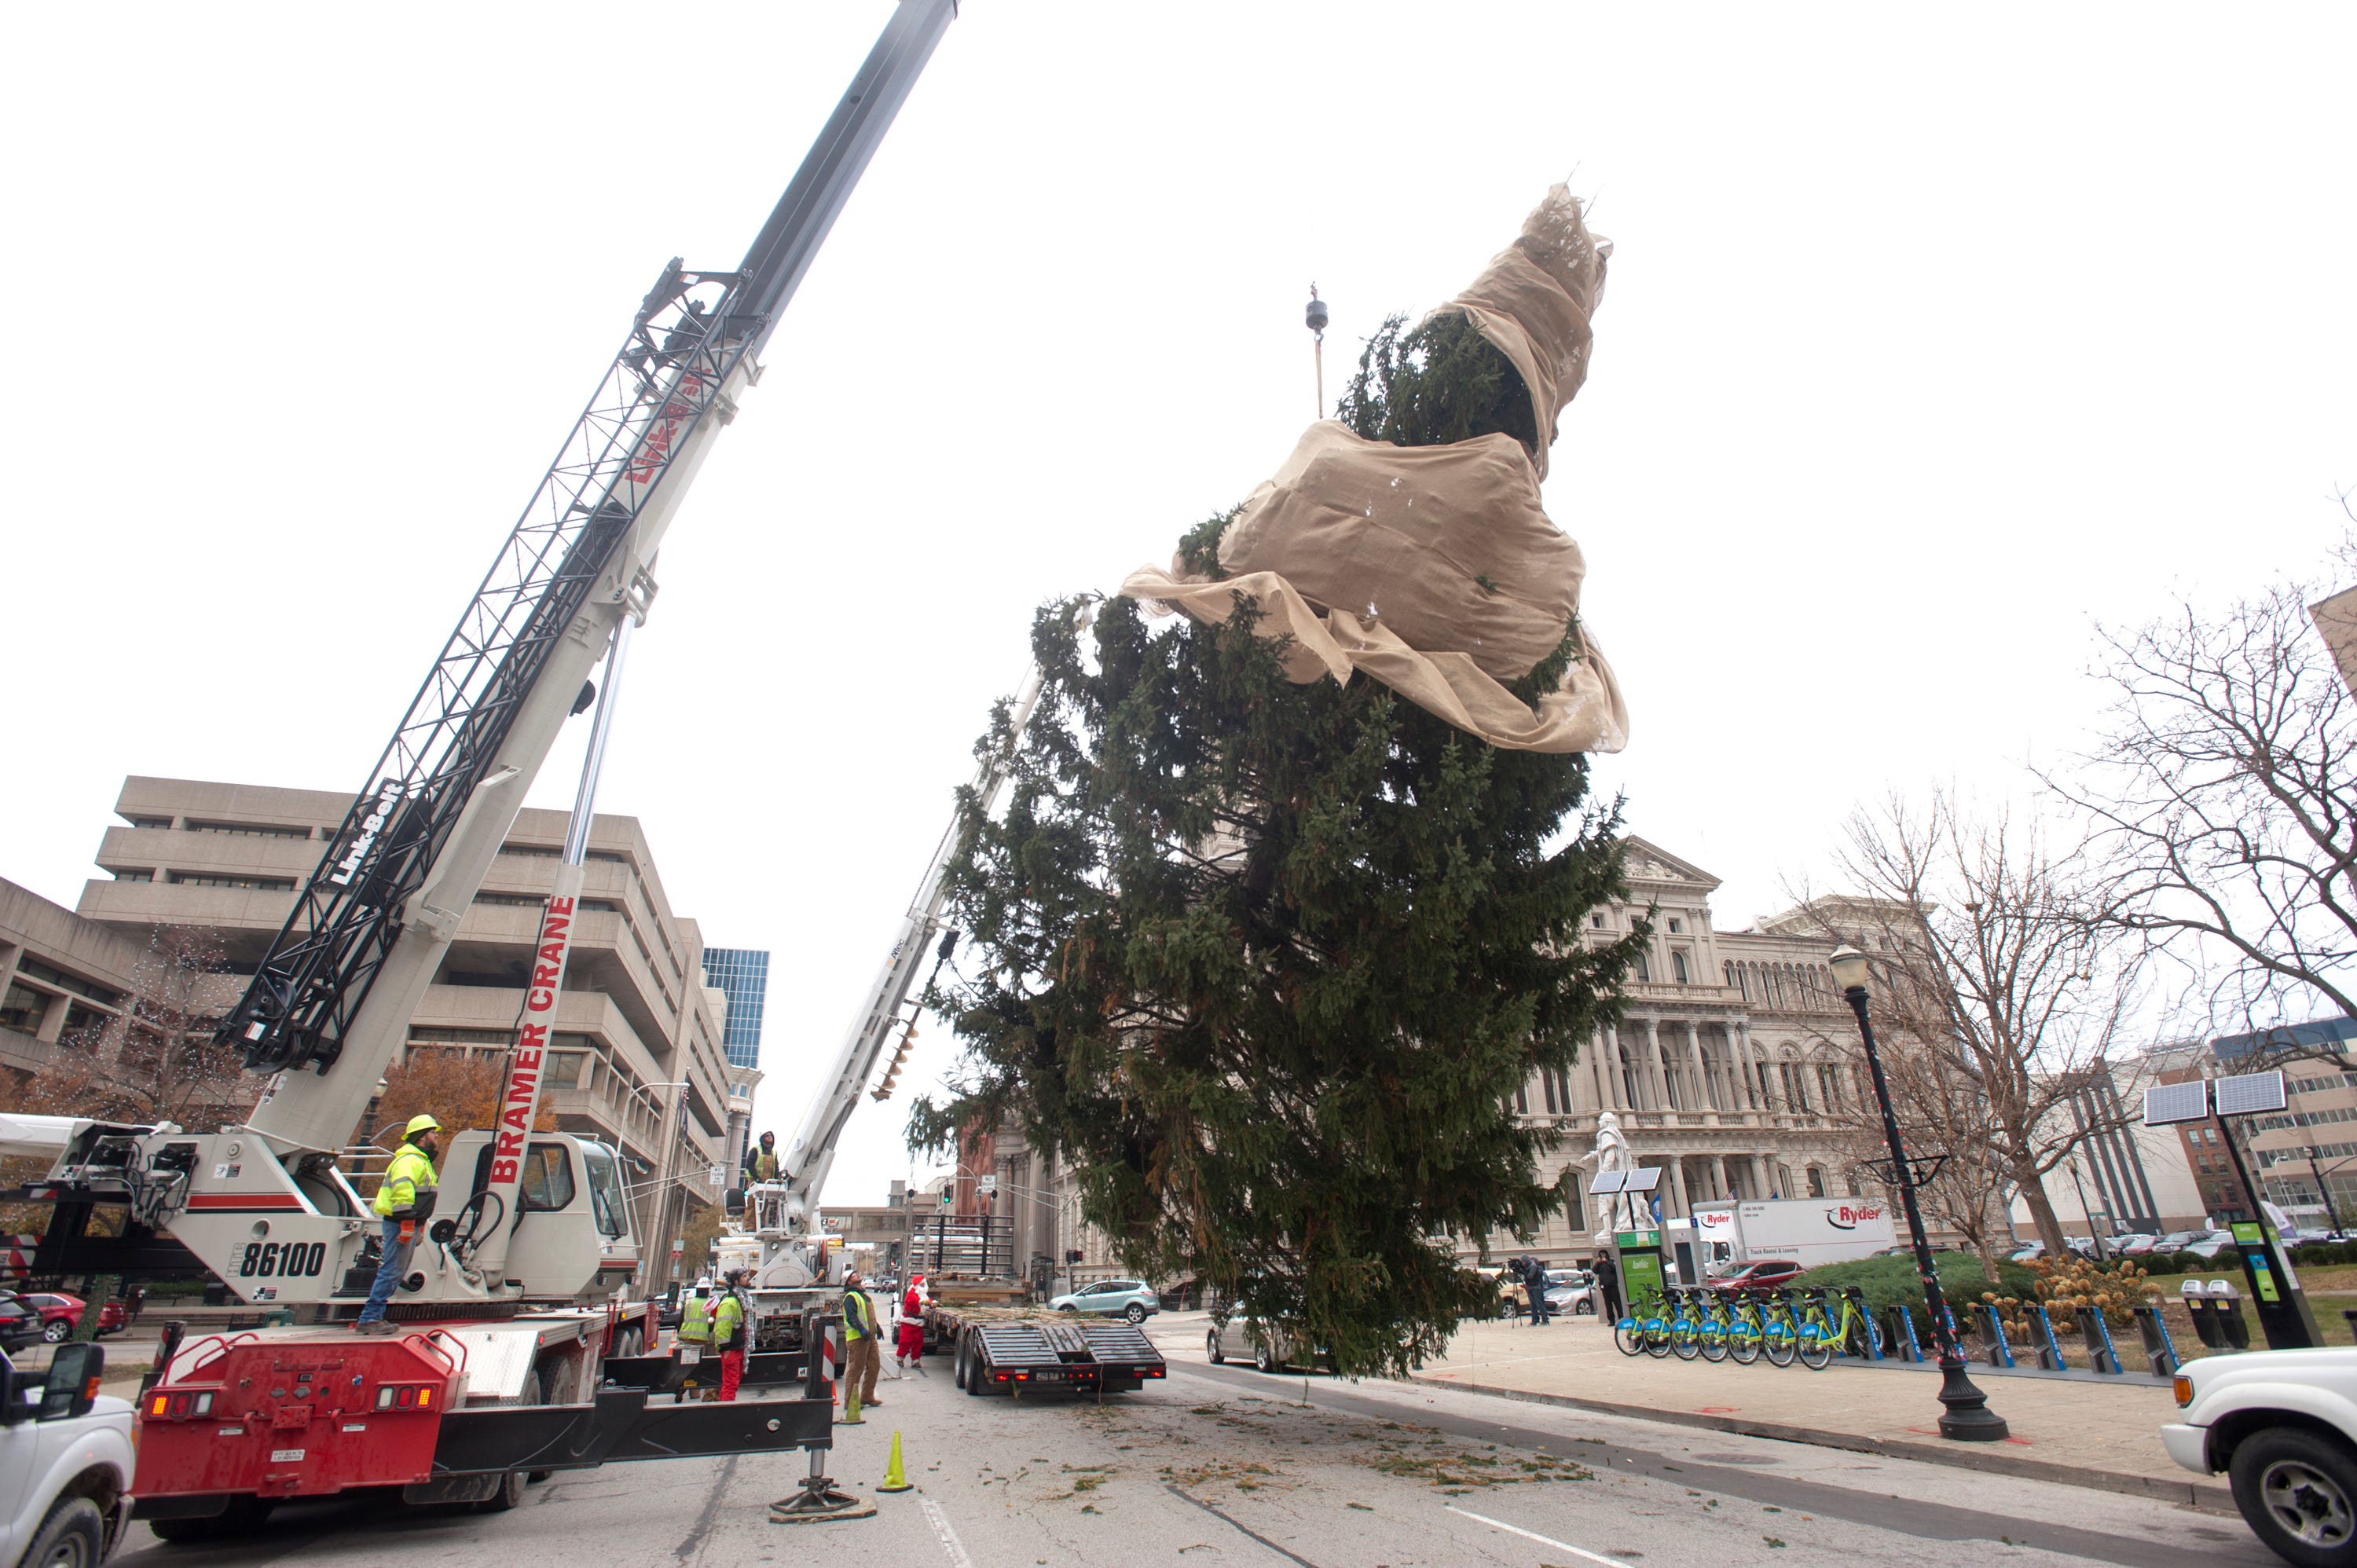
[{"x": 1934, "y": 334}]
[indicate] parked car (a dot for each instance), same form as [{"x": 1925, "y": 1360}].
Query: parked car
[
  {"x": 1761, "y": 1274},
  {"x": 2026, "y": 1251},
  {"x": 1571, "y": 1291},
  {"x": 2282, "y": 1424},
  {"x": 60, "y": 1311},
  {"x": 20, "y": 1322},
  {"x": 1268, "y": 1347},
  {"x": 1132, "y": 1299},
  {"x": 2209, "y": 1244},
  {"x": 2134, "y": 1245},
  {"x": 2176, "y": 1240},
  {"x": 65, "y": 1460}
]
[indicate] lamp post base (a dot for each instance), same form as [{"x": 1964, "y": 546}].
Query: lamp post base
[{"x": 1968, "y": 1418}]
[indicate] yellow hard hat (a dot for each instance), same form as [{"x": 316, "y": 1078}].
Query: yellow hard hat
[{"x": 421, "y": 1122}]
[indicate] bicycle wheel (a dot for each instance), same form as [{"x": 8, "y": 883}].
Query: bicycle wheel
[
  {"x": 1714, "y": 1337},
  {"x": 1743, "y": 1336},
  {"x": 1815, "y": 1342},
  {"x": 1629, "y": 1337},
  {"x": 1778, "y": 1340},
  {"x": 1657, "y": 1332},
  {"x": 1685, "y": 1338}
]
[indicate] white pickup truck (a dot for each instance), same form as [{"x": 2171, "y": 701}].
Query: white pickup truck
[
  {"x": 65, "y": 1463},
  {"x": 2282, "y": 1425}
]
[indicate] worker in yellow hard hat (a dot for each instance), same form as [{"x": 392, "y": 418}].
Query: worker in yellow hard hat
[{"x": 405, "y": 1202}]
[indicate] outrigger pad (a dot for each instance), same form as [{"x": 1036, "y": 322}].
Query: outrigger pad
[{"x": 819, "y": 1499}]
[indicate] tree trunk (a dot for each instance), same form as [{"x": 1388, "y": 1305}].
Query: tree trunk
[{"x": 2041, "y": 1212}]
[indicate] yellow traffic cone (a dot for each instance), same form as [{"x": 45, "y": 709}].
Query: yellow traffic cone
[{"x": 895, "y": 1479}]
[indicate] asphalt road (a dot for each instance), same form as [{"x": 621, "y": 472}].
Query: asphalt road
[{"x": 1225, "y": 1466}]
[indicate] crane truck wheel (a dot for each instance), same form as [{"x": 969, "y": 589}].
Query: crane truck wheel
[{"x": 511, "y": 1487}]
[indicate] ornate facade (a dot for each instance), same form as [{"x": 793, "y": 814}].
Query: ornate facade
[{"x": 1723, "y": 1071}]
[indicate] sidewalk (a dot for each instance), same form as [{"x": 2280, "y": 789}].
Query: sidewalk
[{"x": 2104, "y": 1435}]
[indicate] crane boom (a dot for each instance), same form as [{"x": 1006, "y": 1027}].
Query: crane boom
[{"x": 369, "y": 929}]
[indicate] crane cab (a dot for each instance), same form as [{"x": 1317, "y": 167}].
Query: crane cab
[{"x": 571, "y": 1237}]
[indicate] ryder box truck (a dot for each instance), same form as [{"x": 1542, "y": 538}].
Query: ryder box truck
[{"x": 1810, "y": 1231}]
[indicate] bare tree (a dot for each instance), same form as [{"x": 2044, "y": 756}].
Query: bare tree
[
  {"x": 1951, "y": 1129},
  {"x": 1990, "y": 958},
  {"x": 158, "y": 1062},
  {"x": 2224, "y": 802}
]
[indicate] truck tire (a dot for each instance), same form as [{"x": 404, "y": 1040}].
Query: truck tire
[
  {"x": 2297, "y": 1490},
  {"x": 74, "y": 1536},
  {"x": 510, "y": 1490}
]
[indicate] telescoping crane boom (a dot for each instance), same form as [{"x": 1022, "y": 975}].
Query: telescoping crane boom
[
  {"x": 265, "y": 1206},
  {"x": 784, "y": 1213}
]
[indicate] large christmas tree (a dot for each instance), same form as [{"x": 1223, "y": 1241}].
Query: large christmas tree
[{"x": 1264, "y": 955}]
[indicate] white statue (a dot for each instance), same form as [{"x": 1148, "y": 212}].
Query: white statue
[{"x": 1610, "y": 1153}]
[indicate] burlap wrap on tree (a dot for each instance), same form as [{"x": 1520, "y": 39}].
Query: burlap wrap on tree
[{"x": 1434, "y": 569}]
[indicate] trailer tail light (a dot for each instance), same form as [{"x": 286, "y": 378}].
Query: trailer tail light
[
  {"x": 1157, "y": 1371},
  {"x": 167, "y": 1405},
  {"x": 1006, "y": 1377},
  {"x": 404, "y": 1396}
]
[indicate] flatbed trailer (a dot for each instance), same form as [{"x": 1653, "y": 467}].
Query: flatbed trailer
[{"x": 1019, "y": 1350}]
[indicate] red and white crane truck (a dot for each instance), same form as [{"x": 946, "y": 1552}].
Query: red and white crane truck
[{"x": 517, "y": 1350}]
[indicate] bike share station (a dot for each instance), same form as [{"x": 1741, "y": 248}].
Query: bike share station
[
  {"x": 1636, "y": 1250},
  {"x": 2285, "y": 1316}
]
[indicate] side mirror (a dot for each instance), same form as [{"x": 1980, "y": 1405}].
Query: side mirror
[{"x": 75, "y": 1372}]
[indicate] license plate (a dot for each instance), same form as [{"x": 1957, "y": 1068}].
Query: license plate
[
  {"x": 1047, "y": 1377},
  {"x": 689, "y": 1355}
]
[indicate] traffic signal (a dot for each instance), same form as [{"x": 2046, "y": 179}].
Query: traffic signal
[
  {"x": 1075, "y": 1256},
  {"x": 899, "y": 1058}
]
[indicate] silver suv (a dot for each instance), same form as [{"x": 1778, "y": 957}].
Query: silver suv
[{"x": 1132, "y": 1299}]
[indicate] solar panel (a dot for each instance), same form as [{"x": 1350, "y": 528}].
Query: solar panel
[
  {"x": 1607, "y": 1181},
  {"x": 2167, "y": 1102},
  {"x": 2251, "y": 1091},
  {"x": 1645, "y": 1179}
]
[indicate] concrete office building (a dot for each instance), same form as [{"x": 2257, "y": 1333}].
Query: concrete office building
[
  {"x": 636, "y": 1059},
  {"x": 65, "y": 981}
]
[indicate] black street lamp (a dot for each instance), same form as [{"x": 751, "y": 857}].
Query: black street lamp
[{"x": 1966, "y": 1416}]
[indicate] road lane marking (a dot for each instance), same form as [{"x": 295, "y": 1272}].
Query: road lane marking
[
  {"x": 1534, "y": 1535},
  {"x": 950, "y": 1542}
]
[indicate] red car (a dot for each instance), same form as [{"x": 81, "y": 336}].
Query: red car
[
  {"x": 1763, "y": 1275},
  {"x": 60, "y": 1313}
]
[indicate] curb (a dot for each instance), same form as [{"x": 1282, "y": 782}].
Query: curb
[{"x": 2210, "y": 1497}]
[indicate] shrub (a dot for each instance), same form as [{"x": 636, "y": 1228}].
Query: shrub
[
  {"x": 2065, "y": 1286},
  {"x": 1888, "y": 1280}
]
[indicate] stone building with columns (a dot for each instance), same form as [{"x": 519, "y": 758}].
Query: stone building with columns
[{"x": 1727, "y": 1070}]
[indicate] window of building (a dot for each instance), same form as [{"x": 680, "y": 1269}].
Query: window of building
[
  {"x": 1816, "y": 1181},
  {"x": 23, "y": 1009},
  {"x": 1856, "y": 1188},
  {"x": 1546, "y": 1086},
  {"x": 1645, "y": 970},
  {"x": 259, "y": 884},
  {"x": 1521, "y": 1098},
  {"x": 245, "y": 829},
  {"x": 1677, "y": 927},
  {"x": 510, "y": 900},
  {"x": 122, "y": 874},
  {"x": 1596, "y": 921},
  {"x": 1677, "y": 963},
  {"x": 38, "y": 970},
  {"x": 151, "y": 821},
  {"x": 1829, "y": 1087}
]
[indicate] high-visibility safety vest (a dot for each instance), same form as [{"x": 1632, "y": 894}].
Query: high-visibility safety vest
[
  {"x": 761, "y": 1165},
  {"x": 696, "y": 1322},
  {"x": 728, "y": 1323},
  {"x": 858, "y": 1316},
  {"x": 409, "y": 1171}
]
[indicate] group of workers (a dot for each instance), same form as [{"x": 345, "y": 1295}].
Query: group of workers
[{"x": 405, "y": 1200}]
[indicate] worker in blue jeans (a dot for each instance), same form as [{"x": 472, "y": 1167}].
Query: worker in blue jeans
[{"x": 402, "y": 1203}]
